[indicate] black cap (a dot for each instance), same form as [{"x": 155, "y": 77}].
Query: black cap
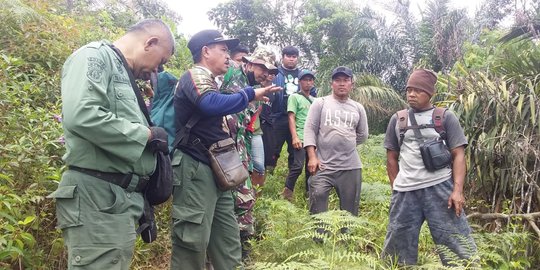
[
  {"x": 290, "y": 50},
  {"x": 207, "y": 37},
  {"x": 342, "y": 70}
]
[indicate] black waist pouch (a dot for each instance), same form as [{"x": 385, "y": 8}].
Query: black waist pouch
[
  {"x": 160, "y": 186},
  {"x": 435, "y": 155}
]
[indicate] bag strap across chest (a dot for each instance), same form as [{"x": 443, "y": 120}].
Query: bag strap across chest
[
  {"x": 140, "y": 99},
  {"x": 437, "y": 123}
]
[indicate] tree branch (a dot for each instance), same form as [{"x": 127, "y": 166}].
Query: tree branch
[{"x": 530, "y": 217}]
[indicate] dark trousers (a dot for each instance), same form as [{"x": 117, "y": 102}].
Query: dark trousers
[
  {"x": 282, "y": 134},
  {"x": 409, "y": 210},
  {"x": 268, "y": 144},
  {"x": 348, "y": 184},
  {"x": 300, "y": 161}
]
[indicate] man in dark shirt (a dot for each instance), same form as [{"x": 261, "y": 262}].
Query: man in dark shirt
[
  {"x": 203, "y": 216},
  {"x": 287, "y": 78}
]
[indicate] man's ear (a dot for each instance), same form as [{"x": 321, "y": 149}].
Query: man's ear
[
  {"x": 152, "y": 41},
  {"x": 204, "y": 52}
]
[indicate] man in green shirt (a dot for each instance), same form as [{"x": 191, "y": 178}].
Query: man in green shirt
[
  {"x": 110, "y": 148},
  {"x": 298, "y": 107}
]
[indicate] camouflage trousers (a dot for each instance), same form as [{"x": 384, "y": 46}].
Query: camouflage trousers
[{"x": 245, "y": 201}]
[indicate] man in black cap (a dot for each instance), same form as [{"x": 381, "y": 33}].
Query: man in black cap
[
  {"x": 277, "y": 116},
  {"x": 203, "y": 216},
  {"x": 334, "y": 127}
]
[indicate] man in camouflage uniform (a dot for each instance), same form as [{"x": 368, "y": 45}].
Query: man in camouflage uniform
[{"x": 255, "y": 70}]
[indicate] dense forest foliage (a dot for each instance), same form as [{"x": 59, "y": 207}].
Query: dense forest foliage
[{"x": 488, "y": 68}]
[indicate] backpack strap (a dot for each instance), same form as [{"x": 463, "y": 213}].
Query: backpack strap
[
  {"x": 140, "y": 99},
  {"x": 402, "y": 118},
  {"x": 322, "y": 106},
  {"x": 438, "y": 121},
  {"x": 182, "y": 135}
]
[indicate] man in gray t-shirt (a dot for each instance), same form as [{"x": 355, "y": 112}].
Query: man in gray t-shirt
[
  {"x": 335, "y": 125},
  {"x": 420, "y": 194}
]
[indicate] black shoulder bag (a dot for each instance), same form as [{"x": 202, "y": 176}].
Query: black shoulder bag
[
  {"x": 159, "y": 188},
  {"x": 435, "y": 153}
]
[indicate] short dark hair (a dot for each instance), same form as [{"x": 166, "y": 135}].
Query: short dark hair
[
  {"x": 197, "y": 57},
  {"x": 146, "y": 25},
  {"x": 240, "y": 48},
  {"x": 289, "y": 50}
]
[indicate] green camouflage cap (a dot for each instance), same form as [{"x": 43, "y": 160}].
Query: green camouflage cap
[{"x": 263, "y": 56}]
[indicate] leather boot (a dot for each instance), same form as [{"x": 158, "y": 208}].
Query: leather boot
[
  {"x": 287, "y": 194},
  {"x": 257, "y": 180}
]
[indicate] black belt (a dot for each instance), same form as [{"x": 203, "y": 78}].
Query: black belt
[{"x": 118, "y": 179}]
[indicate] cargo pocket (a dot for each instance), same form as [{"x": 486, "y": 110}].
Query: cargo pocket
[
  {"x": 67, "y": 206},
  {"x": 97, "y": 258},
  {"x": 175, "y": 162},
  {"x": 188, "y": 228},
  {"x": 111, "y": 199}
]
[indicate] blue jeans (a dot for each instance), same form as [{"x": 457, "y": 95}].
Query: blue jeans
[
  {"x": 409, "y": 209},
  {"x": 257, "y": 153}
]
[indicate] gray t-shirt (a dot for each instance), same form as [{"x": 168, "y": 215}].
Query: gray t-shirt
[
  {"x": 335, "y": 128},
  {"x": 412, "y": 174}
]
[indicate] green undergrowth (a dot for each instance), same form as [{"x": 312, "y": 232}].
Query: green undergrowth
[{"x": 286, "y": 231}]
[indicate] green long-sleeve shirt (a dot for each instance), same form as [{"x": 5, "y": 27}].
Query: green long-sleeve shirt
[{"x": 104, "y": 128}]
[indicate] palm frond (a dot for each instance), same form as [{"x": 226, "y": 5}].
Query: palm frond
[
  {"x": 528, "y": 31},
  {"x": 379, "y": 100}
]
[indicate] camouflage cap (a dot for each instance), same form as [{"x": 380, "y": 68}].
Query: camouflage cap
[{"x": 263, "y": 56}]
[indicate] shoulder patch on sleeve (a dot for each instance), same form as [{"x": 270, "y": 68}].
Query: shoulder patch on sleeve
[{"x": 96, "y": 68}]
